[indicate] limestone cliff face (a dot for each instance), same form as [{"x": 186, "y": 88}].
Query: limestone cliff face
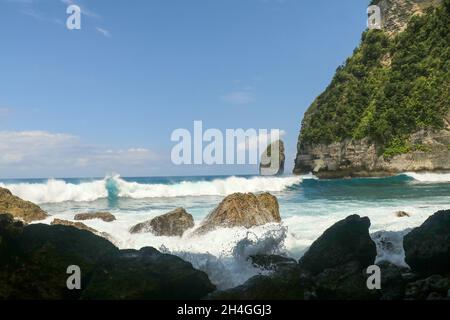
[
  {"x": 361, "y": 158},
  {"x": 351, "y": 155},
  {"x": 396, "y": 13}
]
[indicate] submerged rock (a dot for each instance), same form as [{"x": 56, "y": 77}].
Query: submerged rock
[
  {"x": 105, "y": 216},
  {"x": 149, "y": 274},
  {"x": 267, "y": 167},
  {"x": 20, "y": 209},
  {"x": 174, "y": 223},
  {"x": 427, "y": 248},
  {"x": 242, "y": 210},
  {"x": 402, "y": 214}
]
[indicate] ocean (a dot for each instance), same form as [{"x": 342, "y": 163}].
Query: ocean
[{"x": 308, "y": 206}]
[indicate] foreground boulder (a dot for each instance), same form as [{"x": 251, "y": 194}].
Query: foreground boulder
[
  {"x": 18, "y": 208},
  {"x": 174, "y": 223},
  {"x": 242, "y": 210},
  {"x": 34, "y": 260},
  {"x": 105, "y": 216},
  {"x": 267, "y": 166},
  {"x": 346, "y": 242},
  {"x": 427, "y": 248},
  {"x": 149, "y": 274}
]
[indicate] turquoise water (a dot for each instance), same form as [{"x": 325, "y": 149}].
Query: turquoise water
[{"x": 308, "y": 206}]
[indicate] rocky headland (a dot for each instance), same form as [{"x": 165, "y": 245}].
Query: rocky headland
[{"x": 387, "y": 109}]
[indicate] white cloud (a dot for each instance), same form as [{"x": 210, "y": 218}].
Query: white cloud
[
  {"x": 239, "y": 97},
  {"x": 41, "y": 153},
  {"x": 103, "y": 32}
]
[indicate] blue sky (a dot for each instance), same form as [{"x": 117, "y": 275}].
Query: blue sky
[{"x": 106, "y": 98}]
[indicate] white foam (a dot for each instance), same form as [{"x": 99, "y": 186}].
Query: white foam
[
  {"x": 54, "y": 191},
  {"x": 217, "y": 187},
  {"x": 429, "y": 177}
]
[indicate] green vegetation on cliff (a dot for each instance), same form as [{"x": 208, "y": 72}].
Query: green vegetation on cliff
[{"x": 390, "y": 87}]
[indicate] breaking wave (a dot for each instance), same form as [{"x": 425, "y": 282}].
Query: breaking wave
[
  {"x": 429, "y": 177},
  {"x": 55, "y": 191}
]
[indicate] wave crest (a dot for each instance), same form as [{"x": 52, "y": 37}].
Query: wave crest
[{"x": 55, "y": 191}]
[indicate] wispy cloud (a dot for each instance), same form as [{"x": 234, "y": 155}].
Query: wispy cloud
[
  {"x": 29, "y": 152},
  {"x": 239, "y": 97},
  {"x": 103, "y": 32}
]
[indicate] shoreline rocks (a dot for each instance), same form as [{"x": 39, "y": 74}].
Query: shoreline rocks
[
  {"x": 242, "y": 210},
  {"x": 427, "y": 248},
  {"x": 20, "y": 209},
  {"x": 34, "y": 260},
  {"x": 105, "y": 216},
  {"x": 172, "y": 224}
]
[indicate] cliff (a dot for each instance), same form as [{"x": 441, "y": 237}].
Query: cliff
[{"x": 387, "y": 109}]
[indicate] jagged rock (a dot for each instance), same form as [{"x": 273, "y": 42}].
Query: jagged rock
[
  {"x": 242, "y": 210},
  {"x": 402, "y": 214},
  {"x": 149, "y": 274},
  {"x": 266, "y": 167},
  {"x": 432, "y": 288},
  {"x": 346, "y": 241},
  {"x": 20, "y": 209},
  {"x": 427, "y": 248},
  {"x": 105, "y": 216},
  {"x": 171, "y": 224}
]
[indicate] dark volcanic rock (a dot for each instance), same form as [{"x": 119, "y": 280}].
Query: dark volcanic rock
[
  {"x": 392, "y": 281},
  {"x": 346, "y": 241},
  {"x": 427, "y": 248},
  {"x": 18, "y": 208},
  {"x": 146, "y": 274},
  {"x": 271, "y": 262},
  {"x": 242, "y": 210},
  {"x": 284, "y": 285},
  {"x": 174, "y": 223},
  {"x": 433, "y": 288},
  {"x": 105, "y": 216},
  {"x": 34, "y": 260}
]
